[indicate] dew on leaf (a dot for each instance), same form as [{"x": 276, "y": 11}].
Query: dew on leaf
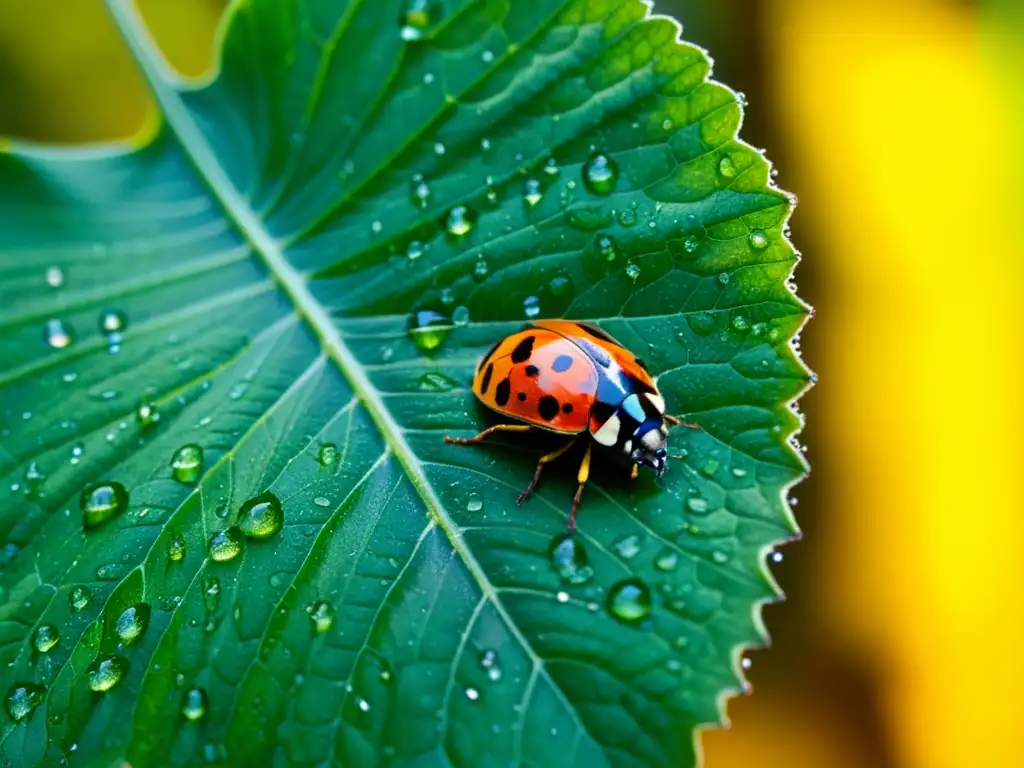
[
  {"x": 176, "y": 549},
  {"x": 740, "y": 323},
  {"x": 600, "y": 173},
  {"x": 480, "y": 270},
  {"x": 58, "y": 334},
  {"x": 418, "y": 17},
  {"x": 147, "y": 414},
  {"x": 187, "y": 464},
  {"x": 632, "y": 271},
  {"x": 328, "y": 455},
  {"x": 113, "y": 321},
  {"x": 321, "y": 614},
  {"x": 428, "y": 329},
  {"x": 460, "y": 317},
  {"x": 719, "y": 556},
  {"x": 629, "y": 546},
  {"x": 697, "y": 505},
  {"x": 475, "y": 503},
  {"x": 226, "y": 545},
  {"x": 104, "y": 674},
  {"x": 194, "y": 704},
  {"x": 261, "y": 516},
  {"x": 758, "y": 239},
  {"x": 459, "y": 221},
  {"x": 322, "y": 501},
  {"x": 691, "y": 244},
  {"x": 132, "y": 623},
  {"x": 559, "y": 285},
  {"x": 79, "y": 597},
  {"x": 666, "y": 560},
  {"x": 472, "y": 694},
  {"x": 726, "y": 167},
  {"x": 532, "y": 192},
  {"x": 435, "y": 382},
  {"x": 531, "y": 307},
  {"x": 419, "y": 191},
  {"x": 562, "y": 597},
  {"x": 551, "y": 167},
  {"x": 22, "y": 700},
  {"x": 54, "y": 277},
  {"x": 33, "y": 477},
  {"x": 101, "y": 502},
  {"x": 569, "y": 559},
  {"x": 45, "y": 638},
  {"x": 607, "y": 247},
  {"x": 629, "y": 601},
  {"x": 723, "y": 278},
  {"x": 414, "y": 250},
  {"x": 489, "y": 664}
]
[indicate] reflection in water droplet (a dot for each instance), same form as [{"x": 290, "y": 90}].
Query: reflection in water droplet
[
  {"x": 101, "y": 502},
  {"x": 428, "y": 329},
  {"x": 459, "y": 221},
  {"x": 475, "y": 503},
  {"x": 531, "y": 307},
  {"x": 147, "y": 414},
  {"x": 58, "y": 334},
  {"x": 758, "y": 240},
  {"x": 79, "y": 597},
  {"x": 22, "y": 700},
  {"x": 419, "y": 16},
  {"x": 570, "y": 560},
  {"x": 321, "y": 613},
  {"x": 106, "y": 673},
  {"x": 532, "y": 192},
  {"x": 187, "y": 463},
  {"x": 261, "y": 517},
  {"x": 600, "y": 174},
  {"x": 629, "y": 601},
  {"x": 45, "y": 638},
  {"x": 194, "y": 704},
  {"x": 176, "y": 549},
  {"x": 551, "y": 167},
  {"x": 132, "y": 623},
  {"x": 226, "y": 545},
  {"x": 328, "y": 455}
]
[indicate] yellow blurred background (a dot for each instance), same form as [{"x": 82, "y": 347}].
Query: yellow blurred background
[{"x": 899, "y": 125}]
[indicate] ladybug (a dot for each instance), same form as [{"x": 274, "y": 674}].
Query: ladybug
[{"x": 572, "y": 378}]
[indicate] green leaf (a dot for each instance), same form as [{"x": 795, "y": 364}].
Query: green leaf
[{"x": 209, "y": 332}]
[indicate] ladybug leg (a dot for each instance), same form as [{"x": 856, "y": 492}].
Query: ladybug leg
[
  {"x": 634, "y": 473},
  {"x": 544, "y": 460},
  {"x": 676, "y": 422},
  {"x": 582, "y": 476},
  {"x": 487, "y": 432}
]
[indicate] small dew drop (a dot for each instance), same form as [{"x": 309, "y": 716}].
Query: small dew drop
[
  {"x": 132, "y": 623},
  {"x": 489, "y": 664},
  {"x": 54, "y": 277},
  {"x": 758, "y": 240},
  {"x": 691, "y": 244},
  {"x": 439, "y": 149},
  {"x": 22, "y": 700},
  {"x": 226, "y": 545},
  {"x": 436, "y": 382},
  {"x": 194, "y": 704},
  {"x": 414, "y": 250},
  {"x": 475, "y": 503},
  {"x": 106, "y": 673},
  {"x": 321, "y": 614},
  {"x": 607, "y": 247},
  {"x": 632, "y": 271},
  {"x": 562, "y": 597},
  {"x": 776, "y": 557},
  {"x": 532, "y": 192},
  {"x": 459, "y": 221},
  {"x": 559, "y": 285},
  {"x": 45, "y": 638},
  {"x": 697, "y": 505},
  {"x": 418, "y": 17},
  {"x": 261, "y": 517},
  {"x": 667, "y": 560},
  {"x": 322, "y": 501},
  {"x": 629, "y": 601},
  {"x": 480, "y": 270},
  {"x": 419, "y": 192},
  {"x": 147, "y": 414},
  {"x": 472, "y": 694},
  {"x": 113, "y": 321},
  {"x": 531, "y": 307},
  {"x": 740, "y": 323},
  {"x": 551, "y": 167},
  {"x": 600, "y": 174},
  {"x": 726, "y": 167},
  {"x": 100, "y": 503},
  {"x": 628, "y": 547},
  {"x": 176, "y": 549},
  {"x": 79, "y": 597},
  {"x": 723, "y": 278},
  {"x": 460, "y": 317},
  {"x": 746, "y": 662},
  {"x": 569, "y": 560},
  {"x": 58, "y": 334},
  {"x": 328, "y": 455},
  {"x": 428, "y": 329},
  {"x": 363, "y": 704}
]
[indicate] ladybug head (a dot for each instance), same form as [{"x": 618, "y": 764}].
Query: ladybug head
[{"x": 648, "y": 447}]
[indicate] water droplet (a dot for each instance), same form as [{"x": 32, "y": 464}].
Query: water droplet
[
  {"x": 570, "y": 560},
  {"x": 776, "y": 557},
  {"x": 719, "y": 556},
  {"x": 726, "y": 167},
  {"x": 562, "y": 597},
  {"x": 414, "y": 250},
  {"x": 194, "y": 704},
  {"x": 176, "y": 549},
  {"x": 758, "y": 240},
  {"x": 629, "y": 601},
  {"x": 45, "y": 638},
  {"x": 106, "y": 673},
  {"x": 439, "y": 148},
  {"x": 629, "y": 546},
  {"x": 33, "y": 477},
  {"x": 226, "y": 545},
  {"x": 54, "y": 277},
  {"x": 632, "y": 271},
  {"x": 79, "y": 597},
  {"x": 667, "y": 560},
  {"x": 532, "y": 192},
  {"x": 377, "y": 227},
  {"x": 475, "y": 503},
  {"x": 607, "y": 247},
  {"x": 627, "y": 217},
  {"x": 697, "y": 505},
  {"x": 147, "y": 414},
  {"x": 489, "y": 663},
  {"x": 363, "y": 704},
  {"x": 22, "y": 700},
  {"x": 559, "y": 285},
  {"x": 428, "y": 329},
  {"x": 113, "y": 321},
  {"x": 418, "y": 17},
  {"x": 460, "y": 317},
  {"x": 436, "y": 382},
  {"x": 746, "y": 662},
  {"x": 459, "y": 220},
  {"x": 531, "y": 307},
  {"x": 724, "y": 278},
  {"x": 321, "y": 613},
  {"x": 666, "y": 124},
  {"x": 600, "y": 174},
  {"x": 472, "y": 694},
  {"x": 740, "y": 323},
  {"x": 419, "y": 192},
  {"x": 261, "y": 517},
  {"x": 328, "y": 455},
  {"x": 480, "y": 270},
  {"x": 132, "y": 623},
  {"x": 691, "y": 244},
  {"x": 322, "y": 501},
  {"x": 58, "y": 334},
  {"x": 101, "y": 502},
  {"x": 187, "y": 463}
]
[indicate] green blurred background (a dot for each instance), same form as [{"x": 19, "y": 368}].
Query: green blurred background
[{"x": 899, "y": 125}]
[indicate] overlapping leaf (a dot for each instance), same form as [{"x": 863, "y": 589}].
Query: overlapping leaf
[{"x": 249, "y": 276}]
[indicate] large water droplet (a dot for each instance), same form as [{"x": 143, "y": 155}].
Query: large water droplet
[
  {"x": 459, "y": 221},
  {"x": 321, "y": 613},
  {"x": 629, "y": 601},
  {"x": 428, "y": 329},
  {"x": 132, "y": 623},
  {"x": 226, "y": 545},
  {"x": 147, "y": 415},
  {"x": 532, "y": 193},
  {"x": 261, "y": 517},
  {"x": 79, "y": 597},
  {"x": 106, "y": 673},
  {"x": 419, "y": 16},
  {"x": 758, "y": 240},
  {"x": 194, "y": 704},
  {"x": 600, "y": 174},
  {"x": 58, "y": 334},
  {"x": 489, "y": 664},
  {"x": 419, "y": 192},
  {"x": 22, "y": 700},
  {"x": 45, "y": 638},
  {"x": 475, "y": 503},
  {"x": 101, "y": 502},
  {"x": 726, "y": 167},
  {"x": 176, "y": 549},
  {"x": 187, "y": 463},
  {"x": 570, "y": 560}
]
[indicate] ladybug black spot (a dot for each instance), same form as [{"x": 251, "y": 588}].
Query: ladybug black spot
[
  {"x": 547, "y": 407},
  {"x": 502, "y": 392},
  {"x": 567, "y": 408},
  {"x": 521, "y": 397},
  {"x": 562, "y": 363},
  {"x": 485, "y": 383},
  {"x": 523, "y": 350},
  {"x": 532, "y": 371}
]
